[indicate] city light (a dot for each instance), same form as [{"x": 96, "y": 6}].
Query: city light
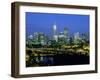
[{"x": 44, "y": 50}]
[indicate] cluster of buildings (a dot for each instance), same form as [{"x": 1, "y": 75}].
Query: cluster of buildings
[{"x": 57, "y": 37}]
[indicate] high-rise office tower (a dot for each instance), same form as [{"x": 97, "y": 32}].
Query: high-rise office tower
[
  {"x": 35, "y": 35},
  {"x": 65, "y": 33},
  {"x": 66, "y": 36},
  {"x": 76, "y": 38},
  {"x": 55, "y": 36}
]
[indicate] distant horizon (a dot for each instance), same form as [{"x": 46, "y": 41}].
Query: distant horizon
[{"x": 43, "y": 22}]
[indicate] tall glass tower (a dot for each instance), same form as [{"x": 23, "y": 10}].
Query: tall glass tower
[
  {"x": 55, "y": 36},
  {"x": 76, "y": 38},
  {"x": 65, "y": 32},
  {"x": 66, "y": 36}
]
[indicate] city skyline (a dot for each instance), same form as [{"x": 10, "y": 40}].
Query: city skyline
[
  {"x": 56, "y": 39},
  {"x": 43, "y": 22}
]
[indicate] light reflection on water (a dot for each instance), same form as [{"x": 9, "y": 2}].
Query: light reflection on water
[
  {"x": 44, "y": 60},
  {"x": 57, "y": 60}
]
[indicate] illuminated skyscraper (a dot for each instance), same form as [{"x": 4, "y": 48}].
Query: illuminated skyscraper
[
  {"x": 42, "y": 38},
  {"x": 66, "y": 36},
  {"x": 35, "y": 36},
  {"x": 55, "y": 29},
  {"x": 55, "y": 36},
  {"x": 76, "y": 38},
  {"x": 65, "y": 33},
  {"x": 61, "y": 38}
]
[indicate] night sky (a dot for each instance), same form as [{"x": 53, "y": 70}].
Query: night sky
[{"x": 43, "y": 22}]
